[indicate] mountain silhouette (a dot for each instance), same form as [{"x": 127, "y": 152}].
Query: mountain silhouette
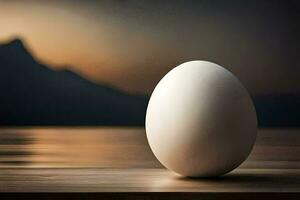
[
  {"x": 33, "y": 94},
  {"x": 278, "y": 109}
]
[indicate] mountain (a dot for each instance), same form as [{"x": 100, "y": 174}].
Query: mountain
[
  {"x": 33, "y": 94},
  {"x": 278, "y": 109}
]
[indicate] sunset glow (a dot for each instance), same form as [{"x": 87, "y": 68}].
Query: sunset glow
[{"x": 131, "y": 45}]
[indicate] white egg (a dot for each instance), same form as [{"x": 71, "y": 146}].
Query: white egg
[{"x": 201, "y": 121}]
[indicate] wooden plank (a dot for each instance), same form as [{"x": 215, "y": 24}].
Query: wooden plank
[
  {"x": 123, "y": 148},
  {"x": 153, "y": 195},
  {"x": 146, "y": 180},
  {"x": 118, "y": 163}
]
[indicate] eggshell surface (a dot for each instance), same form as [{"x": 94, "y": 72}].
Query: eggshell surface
[{"x": 200, "y": 120}]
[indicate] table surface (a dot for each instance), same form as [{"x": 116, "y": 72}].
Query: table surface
[{"x": 98, "y": 159}]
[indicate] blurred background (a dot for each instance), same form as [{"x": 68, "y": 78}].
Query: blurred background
[{"x": 96, "y": 62}]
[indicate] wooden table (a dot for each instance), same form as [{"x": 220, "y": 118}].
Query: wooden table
[{"x": 117, "y": 163}]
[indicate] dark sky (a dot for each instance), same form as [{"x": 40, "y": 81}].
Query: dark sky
[{"x": 132, "y": 44}]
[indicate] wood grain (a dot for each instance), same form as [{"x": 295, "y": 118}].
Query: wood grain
[
  {"x": 101, "y": 147},
  {"x": 110, "y": 160},
  {"x": 145, "y": 180}
]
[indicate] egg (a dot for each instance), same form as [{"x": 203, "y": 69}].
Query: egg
[{"x": 200, "y": 120}]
